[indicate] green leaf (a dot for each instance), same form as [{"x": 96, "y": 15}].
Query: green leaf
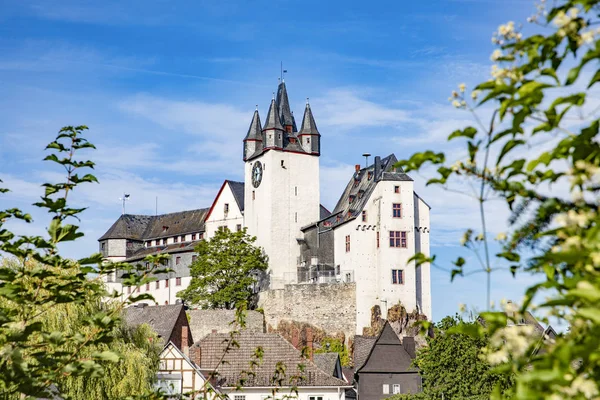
[
  {"x": 468, "y": 132},
  {"x": 508, "y": 146}
]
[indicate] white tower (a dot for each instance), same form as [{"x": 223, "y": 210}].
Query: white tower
[{"x": 282, "y": 188}]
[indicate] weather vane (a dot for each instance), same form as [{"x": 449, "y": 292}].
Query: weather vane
[
  {"x": 124, "y": 199},
  {"x": 283, "y": 71}
]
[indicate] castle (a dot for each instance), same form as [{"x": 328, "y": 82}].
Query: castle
[{"x": 378, "y": 223}]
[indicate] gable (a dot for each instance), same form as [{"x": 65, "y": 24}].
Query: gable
[
  {"x": 228, "y": 194},
  {"x": 388, "y": 354}
]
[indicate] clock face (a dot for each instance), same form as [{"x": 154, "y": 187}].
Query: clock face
[{"x": 257, "y": 172}]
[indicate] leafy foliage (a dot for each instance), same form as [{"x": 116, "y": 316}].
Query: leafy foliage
[
  {"x": 542, "y": 133},
  {"x": 227, "y": 268},
  {"x": 335, "y": 345}
]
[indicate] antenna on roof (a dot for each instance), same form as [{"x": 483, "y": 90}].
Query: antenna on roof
[
  {"x": 366, "y": 156},
  {"x": 123, "y": 200},
  {"x": 283, "y": 72}
]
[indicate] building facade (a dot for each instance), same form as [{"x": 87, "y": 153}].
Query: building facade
[{"x": 377, "y": 225}]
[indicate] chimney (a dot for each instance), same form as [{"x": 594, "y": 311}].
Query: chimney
[
  {"x": 185, "y": 348},
  {"x": 295, "y": 338},
  {"x": 409, "y": 345},
  {"x": 377, "y": 168},
  {"x": 357, "y": 167},
  {"x": 309, "y": 342},
  {"x": 196, "y": 355}
]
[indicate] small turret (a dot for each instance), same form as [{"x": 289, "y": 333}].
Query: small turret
[
  {"x": 253, "y": 142},
  {"x": 309, "y": 135},
  {"x": 273, "y": 129}
]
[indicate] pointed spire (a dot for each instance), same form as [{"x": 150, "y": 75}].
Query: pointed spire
[
  {"x": 308, "y": 127},
  {"x": 273, "y": 121},
  {"x": 255, "y": 130},
  {"x": 283, "y": 105}
]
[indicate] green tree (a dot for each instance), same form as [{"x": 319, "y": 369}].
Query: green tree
[
  {"x": 226, "y": 271},
  {"x": 451, "y": 363},
  {"x": 542, "y": 133},
  {"x": 38, "y": 282}
]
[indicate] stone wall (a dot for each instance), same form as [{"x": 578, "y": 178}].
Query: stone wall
[
  {"x": 326, "y": 308},
  {"x": 203, "y": 322}
]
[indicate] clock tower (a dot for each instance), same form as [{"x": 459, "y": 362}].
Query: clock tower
[{"x": 281, "y": 184}]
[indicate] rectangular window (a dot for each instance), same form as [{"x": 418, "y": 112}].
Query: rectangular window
[
  {"x": 337, "y": 269},
  {"x": 315, "y": 397},
  {"x": 396, "y": 189},
  {"x": 103, "y": 245},
  {"x": 295, "y": 217},
  {"x": 202, "y": 236},
  {"x": 164, "y": 241},
  {"x": 364, "y": 216},
  {"x": 239, "y": 397},
  {"x": 347, "y": 243},
  {"x": 398, "y": 239},
  {"x": 369, "y": 175},
  {"x": 158, "y": 284},
  {"x": 177, "y": 260},
  {"x": 397, "y": 210},
  {"x": 377, "y": 239},
  {"x": 177, "y": 281},
  {"x": 194, "y": 258},
  {"x": 193, "y": 236},
  {"x": 295, "y": 190},
  {"x": 128, "y": 289},
  {"x": 147, "y": 265},
  {"x": 166, "y": 283},
  {"x": 147, "y": 287},
  {"x": 157, "y": 242},
  {"x": 183, "y": 238},
  {"x": 396, "y": 389},
  {"x": 398, "y": 276},
  {"x": 226, "y": 208},
  {"x": 386, "y": 389},
  {"x": 175, "y": 239},
  {"x": 148, "y": 244},
  {"x": 238, "y": 227},
  {"x": 253, "y": 196}
]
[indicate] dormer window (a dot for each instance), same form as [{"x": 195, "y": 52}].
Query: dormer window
[
  {"x": 175, "y": 239},
  {"x": 351, "y": 199},
  {"x": 369, "y": 175},
  {"x": 338, "y": 218},
  {"x": 193, "y": 236},
  {"x": 356, "y": 181},
  {"x": 165, "y": 228},
  {"x": 157, "y": 242},
  {"x": 164, "y": 241}
]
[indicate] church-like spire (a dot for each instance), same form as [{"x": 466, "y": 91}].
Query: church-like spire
[
  {"x": 253, "y": 142},
  {"x": 309, "y": 135},
  {"x": 273, "y": 121},
  {"x": 255, "y": 130},
  {"x": 283, "y": 106},
  {"x": 308, "y": 127}
]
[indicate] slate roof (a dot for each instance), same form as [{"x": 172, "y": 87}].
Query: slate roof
[
  {"x": 276, "y": 349},
  {"x": 360, "y": 187},
  {"x": 255, "y": 129},
  {"x": 160, "y": 318},
  {"x": 146, "y": 227},
  {"x": 323, "y": 212},
  {"x": 362, "y": 348},
  {"x": 273, "y": 121},
  {"x": 387, "y": 355},
  {"x": 326, "y": 361},
  {"x": 168, "y": 249},
  {"x": 238, "y": 192},
  {"x": 309, "y": 126},
  {"x": 283, "y": 105}
]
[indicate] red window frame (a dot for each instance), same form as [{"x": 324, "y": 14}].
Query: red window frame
[
  {"x": 147, "y": 286},
  {"x": 377, "y": 239},
  {"x": 158, "y": 284},
  {"x": 177, "y": 260},
  {"x": 398, "y": 239},
  {"x": 397, "y": 210},
  {"x": 396, "y": 189},
  {"x": 178, "y": 281},
  {"x": 347, "y": 243},
  {"x": 398, "y": 277},
  {"x": 166, "y": 283}
]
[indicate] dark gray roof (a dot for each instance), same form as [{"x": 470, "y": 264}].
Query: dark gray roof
[
  {"x": 323, "y": 212},
  {"x": 387, "y": 355},
  {"x": 146, "y": 227},
  {"x": 168, "y": 249},
  {"x": 293, "y": 145},
  {"x": 160, "y": 318},
  {"x": 326, "y": 361},
  {"x": 237, "y": 188},
  {"x": 275, "y": 350},
  {"x": 255, "y": 129},
  {"x": 283, "y": 105},
  {"x": 360, "y": 187},
  {"x": 362, "y": 348},
  {"x": 273, "y": 121},
  {"x": 309, "y": 126},
  {"x": 128, "y": 227}
]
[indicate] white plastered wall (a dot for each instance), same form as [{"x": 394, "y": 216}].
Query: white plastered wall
[
  {"x": 218, "y": 217},
  {"x": 304, "y": 393},
  {"x": 286, "y": 200}
]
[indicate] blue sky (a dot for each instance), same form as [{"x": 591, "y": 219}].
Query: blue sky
[{"x": 168, "y": 90}]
